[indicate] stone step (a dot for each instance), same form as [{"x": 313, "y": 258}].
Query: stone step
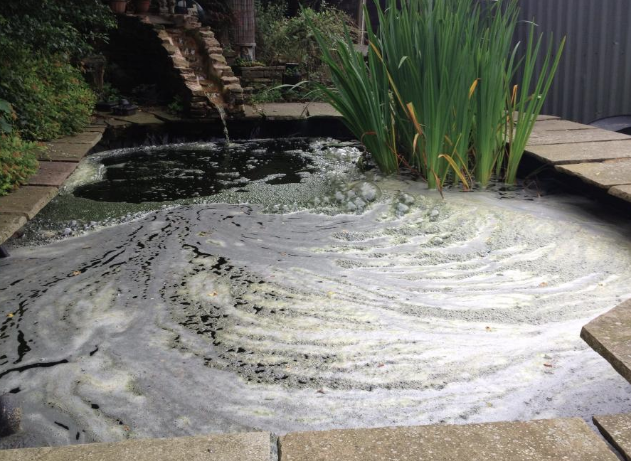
[
  {"x": 541, "y": 440},
  {"x": 254, "y": 446},
  {"x": 610, "y": 336},
  {"x": 617, "y": 430}
]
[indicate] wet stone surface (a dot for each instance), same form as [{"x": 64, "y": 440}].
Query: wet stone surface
[{"x": 343, "y": 300}]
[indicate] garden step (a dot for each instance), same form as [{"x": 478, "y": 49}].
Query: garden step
[
  {"x": 610, "y": 336},
  {"x": 622, "y": 192},
  {"x": 254, "y": 446},
  {"x": 27, "y": 200},
  {"x": 539, "y": 138},
  {"x": 541, "y": 440},
  {"x": 52, "y": 173},
  {"x": 617, "y": 430},
  {"x": 604, "y": 175},
  {"x": 9, "y": 225},
  {"x": 559, "y": 154}
]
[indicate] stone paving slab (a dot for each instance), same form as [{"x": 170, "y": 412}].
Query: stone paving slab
[
  {"x": 622, "y": 192},
  {"x": 540, "y": 138},
  {"x": 52, "y": 173},
  {"x": 91, "y": 138},
  {"x": 604, "y": 174},
  {"x": 610, "y": 336},
  {"x": 253, "y": 446},
  {"x": 27, "y": 200},
  {"x": 581, "y": 152},
  {"x": 559, "y": 125},
  {"x": 64, "y": 152},
  {"x": 139, "y": 118},
  {"x": 617, "y": 430},
  {"x": 9, "y": 225},
  {"x": 542, "y": 440}
]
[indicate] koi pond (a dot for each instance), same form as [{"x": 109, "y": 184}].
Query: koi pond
[{"x": 275, "y": 285}]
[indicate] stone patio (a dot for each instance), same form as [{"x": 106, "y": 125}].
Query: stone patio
[
  {"x": 542, "y": 440},
  {"x": 254, "y": 446}
]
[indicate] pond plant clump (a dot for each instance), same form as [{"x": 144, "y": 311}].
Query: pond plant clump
[{"x": 443, "y": 91}]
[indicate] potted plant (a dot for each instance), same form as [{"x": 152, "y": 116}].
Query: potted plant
[
  {"x": 291, "y": 76},
  {"x": 142, "y": 6},
  {"x": 118, "y": 6}
]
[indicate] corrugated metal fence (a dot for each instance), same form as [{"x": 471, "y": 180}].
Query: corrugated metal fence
[{"x": 594, "y": 78}]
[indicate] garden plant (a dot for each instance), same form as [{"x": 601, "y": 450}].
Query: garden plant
[{"x": 443, "y": 91}]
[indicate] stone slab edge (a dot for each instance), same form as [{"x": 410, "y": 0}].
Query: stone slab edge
[
  {"x": 248, "y": 446},
  {"x": 622, "y": 192},
  {"x": 606, "y": 423},
  {"x": 592, "y": 334},
  {"x": 551, "y": 439},
  {"x": 579, "y": 170},
  {"x": 9, "y": 225}
]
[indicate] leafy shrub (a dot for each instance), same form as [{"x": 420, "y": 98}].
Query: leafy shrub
[
  {"x": 54, "y": 27},
  {"x": 292, "y": 40},
  {"x": 49, "y": 96},
  {"x": 18, "y": 161}
]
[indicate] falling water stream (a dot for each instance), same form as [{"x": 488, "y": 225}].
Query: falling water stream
[{"x": 291, "y": 291}]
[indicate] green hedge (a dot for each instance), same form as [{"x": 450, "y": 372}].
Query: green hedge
[
  {"x": 18, "y": 161},
  {"x": 50, "y": 97}
]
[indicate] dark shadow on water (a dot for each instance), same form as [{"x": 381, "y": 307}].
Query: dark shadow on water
[{"x": 172, "y": 174}]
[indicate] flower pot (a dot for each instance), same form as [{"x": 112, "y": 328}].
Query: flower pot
[
  {"x": 142, "y": 6},
  {"x": 118, "y": 6}
]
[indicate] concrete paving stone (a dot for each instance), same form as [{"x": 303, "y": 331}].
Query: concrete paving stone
[
  {"x": 617, "y": 430},
  {"x": 541, "y": 440},
  {"x": 9, "y": 225},
  {"x": 27, "y": 200},
  {"x": 603, "y": 174},
  {"x": 560, "y": 125},
  {"x": 64, "y": 152},
  {"x": 581, "y": 152},
  {"x": 90, "y": 138},
  {"x": 95, "y": 128},
  {"x": 540, "y": 138},
  {"x": 253, "y": 446},
  {"x": 284, "y": 111},
  {"x": 52, "y": 173},
  {"x": 322, "y": 109},
  {"x": 540, "y": 118},
  {"x": 140, "y": 118},
  {"x": 610, "y": 336},
  {"x": 622, "y": 192}
]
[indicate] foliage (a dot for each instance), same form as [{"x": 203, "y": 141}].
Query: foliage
[
  {"x": 110, "y": 93},
  {"x": 6, "y": 117},
  {"x": 176, "y": 106},
  {"x": 54, "y": 27},
  {"x": 435, "y": 91},
  {"x": 267, "y": 95},
  {"x": 292, "y": 40},
  {"x": 49, "y": 96},
  {"x": 18, "y": 160}
]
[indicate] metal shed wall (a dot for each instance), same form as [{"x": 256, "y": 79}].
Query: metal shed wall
[{"x": 594, "y": 77}]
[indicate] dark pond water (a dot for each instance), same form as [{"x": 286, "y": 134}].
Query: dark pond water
[{"x": 178, "y": 173}]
